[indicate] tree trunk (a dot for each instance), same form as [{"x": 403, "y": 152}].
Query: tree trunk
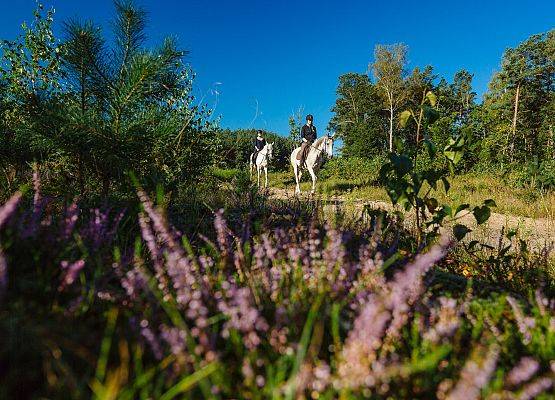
[
  {"x": 391, "y": 128},
  {"x": 513, "y": 129}
]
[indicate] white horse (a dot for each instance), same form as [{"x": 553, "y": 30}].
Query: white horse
[
  {"x": 262, "y": 158},
  {"x": 314, "y": 159}
]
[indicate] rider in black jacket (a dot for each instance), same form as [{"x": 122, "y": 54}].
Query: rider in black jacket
[
  {"x": 259, "y": 143},
  {"x": 308, "y": 134}
]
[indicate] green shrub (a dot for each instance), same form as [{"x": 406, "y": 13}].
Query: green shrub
[
  {"x": 225, "y": 175},
  {"x": 534, "y": 174},
  {"x": 359, "y": 170}
]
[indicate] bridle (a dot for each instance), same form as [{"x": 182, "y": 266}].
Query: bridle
[{"x": 318, "y": 149}]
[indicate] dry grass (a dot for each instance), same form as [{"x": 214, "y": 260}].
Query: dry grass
[{"x": 472, "y": 189}]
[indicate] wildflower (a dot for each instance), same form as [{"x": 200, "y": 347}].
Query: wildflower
[
  {"x": 175, "y": 338},
  {"x": 152, "y": 340},
  {"x": 474, "y": 377},
  {"x": 3, "y": 272},
  {"x": 71, "y": 216},
  {"x": 446, "y": 320},
  {"x": 524, "y": 323},
  {"x": 9, "y": 207},
  {"x": 532, "y": 390},
  {"x": 70, "y": 272},
  {"x": 523, "y": 371},
  {"x": 134, "y": 282},
  {"x": 243, "y": 316}
]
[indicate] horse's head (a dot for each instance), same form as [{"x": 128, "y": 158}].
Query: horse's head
[
  {"x": 328, "y": 145},
  {"x": 270, "y": 150}
]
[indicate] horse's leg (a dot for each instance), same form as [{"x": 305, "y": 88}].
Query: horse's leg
[
  {"x": 297, "y": 178},
  {"x": 258, "y": 173},
  {"x": 266, "y": 173},
  {"x": 313, "y": 176}
]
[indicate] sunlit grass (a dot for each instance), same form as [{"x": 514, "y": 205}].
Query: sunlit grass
[{"x": 469, "y": 188}]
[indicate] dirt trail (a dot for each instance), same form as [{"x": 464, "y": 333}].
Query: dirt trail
[{"x": 538, "y": 232}]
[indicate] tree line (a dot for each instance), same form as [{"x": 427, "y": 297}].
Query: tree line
[
  {"x": 86, "y": 110},
  {"x": 391, "y": 109}
]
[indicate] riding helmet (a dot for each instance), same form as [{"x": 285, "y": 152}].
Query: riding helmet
[{"x": 309, "y": 117}]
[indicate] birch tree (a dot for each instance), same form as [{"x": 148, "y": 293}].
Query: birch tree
[{"x": 388, "y": 69}]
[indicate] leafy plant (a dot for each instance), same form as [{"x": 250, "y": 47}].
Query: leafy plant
[{"x": 415, "y": 189}]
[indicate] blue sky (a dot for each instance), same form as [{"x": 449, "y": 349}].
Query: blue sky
[{"x": 277, "y": 56}]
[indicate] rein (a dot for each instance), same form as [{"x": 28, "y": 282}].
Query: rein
[{"x": 316, "y": 148}]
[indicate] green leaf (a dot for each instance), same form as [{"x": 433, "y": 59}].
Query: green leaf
[
  {"x": 460, "y": 231},
  {"x": 430, "y": 147},
  {"x": 190, "y": 381},
  {"x": 453, "y": 156},
  {"x": 431, "y": 204},
  {"x": 402, "y": 164},
  {"x": 446, "y": 184},
  {"x": 404, "y": 118},
  {"x": 490, "y": 203},
  {"x": 461, "y": 208},
  {"x": 432, "y": 98},
  {"x": 481, "y": 214}
]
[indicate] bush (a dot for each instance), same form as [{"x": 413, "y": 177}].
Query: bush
[
  {"x": 534, "y": 174},
  {"x": 354, "y": 169},
  {"x": 133, "y": 111},
  {"x": 236, "y": 146}
]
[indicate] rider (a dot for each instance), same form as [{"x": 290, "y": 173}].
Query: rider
[
  {"x": 259, "y": 143},
  {"x": 308, "y": 134}
]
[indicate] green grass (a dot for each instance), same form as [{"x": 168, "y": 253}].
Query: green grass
[{"x": 468, "y": 188}]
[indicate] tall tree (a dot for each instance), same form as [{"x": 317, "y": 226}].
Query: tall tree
[
  {"x": 389, "y": 71},
  {"x": 422, "y": 101},
  {"x": 520, "y": 91},
  {"x": 357, "y": 118}
]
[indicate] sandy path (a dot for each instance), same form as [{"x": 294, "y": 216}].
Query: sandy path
[{"x": 538, "y": 232}]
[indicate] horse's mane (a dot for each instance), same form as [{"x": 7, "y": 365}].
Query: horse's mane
[{"x": 319, "y": 141}]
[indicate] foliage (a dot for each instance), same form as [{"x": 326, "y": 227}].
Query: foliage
[
  {"x": 353, "y": 169},
  {"x": 235, "y": 148},
  {"x": 298, "y": 309},
  {"x": 92, "y": 112},
  {"x": 412, "y": 188},
  {"x": 358, "y": 117},
  {"x": 512, "y": 126}
]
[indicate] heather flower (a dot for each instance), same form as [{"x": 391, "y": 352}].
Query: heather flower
[
  {"x": 524, "y": 323},
  {"x": 70, "y": 272},
  {"x": 445, "y": 319},
  {"x": 523, "y": 371},
  {"x": 243, "y": 316},
  {"x": 152, "y": 340},
  {"x": 408, "y": 285},
  {"x": 532, "y": 390},
  {"x": 175, "y": 338},
  {"x": 358, "y": 357},
  {"x": 474, "y": 377},
  {"x": 9, "y": 207},
  {"x": 101, "y": 229},
  {"x": 222, "y": 233},
  {"x": 71, "y": 216},
  {"x": 134, "y": 282},
  {"x": 3, "y": 272},
  {"x": 158, "y": 221}
]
